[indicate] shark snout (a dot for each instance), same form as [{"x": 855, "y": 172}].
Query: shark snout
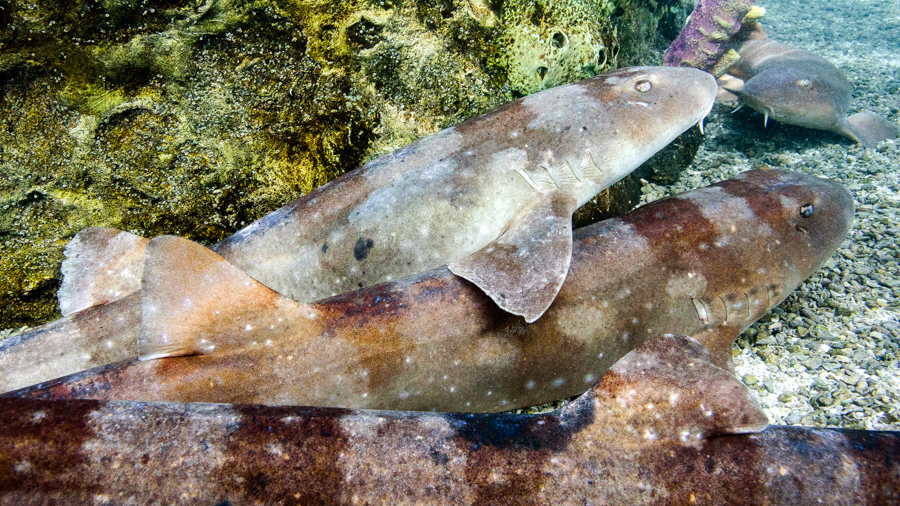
[
  {"x": 685, "y": 96},
  {"x": 698, "y": 90}
]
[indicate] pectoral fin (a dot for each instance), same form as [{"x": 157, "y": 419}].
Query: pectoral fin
[
  {"x": 525, "y": 267},
  {"x": 667, "y": 389},
  {"x": 195, "y": 302},
  {"x": 102, "y": 265},
  {"x": 868, "y": 129}
]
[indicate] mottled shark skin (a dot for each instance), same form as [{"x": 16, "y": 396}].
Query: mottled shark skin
[
  {"x": 492, "y": 197},
  {"x": 663, "y": 426},
  {"x": 707, "y": 263},
  {"x": 99, "y": 335},
  {"x": 801, "y": 88}
]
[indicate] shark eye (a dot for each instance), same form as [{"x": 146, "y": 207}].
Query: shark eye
[
  {"x": 803, "y": 83},
  {"x": 806, "y": 210},
  {"x": 643, "y": 86}
]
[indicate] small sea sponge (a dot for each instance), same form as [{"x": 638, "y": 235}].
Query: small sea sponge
[
  {"x": 707, "y": 35},
  {"x": 548, "y": 47}
]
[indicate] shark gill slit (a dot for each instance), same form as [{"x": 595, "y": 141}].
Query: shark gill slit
[
  {"x": 702, "y": 311},
  {"x": 552, "y": 177},
  {"x": 527, "y": 178},
  {"x": 575, "y": 173},
  {"x": 725, "y": 303},
  {"x": 592, "y": 165}
]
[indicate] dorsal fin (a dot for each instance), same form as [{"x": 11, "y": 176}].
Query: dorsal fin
[
  {"x": 102, "y": 265},
  {"x": 195, "y": 302},
  {"x": 668, "y": 388},
  {"x": 523, "y": 270}
]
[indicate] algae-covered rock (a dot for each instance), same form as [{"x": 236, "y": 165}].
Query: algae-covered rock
[{"x": 195, "y": 118}]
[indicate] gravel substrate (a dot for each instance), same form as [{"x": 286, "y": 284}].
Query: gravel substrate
[{"x": 827, "y": 356}]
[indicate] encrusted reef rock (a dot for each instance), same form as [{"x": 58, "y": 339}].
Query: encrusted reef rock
[{"x": 195, "y": 118}]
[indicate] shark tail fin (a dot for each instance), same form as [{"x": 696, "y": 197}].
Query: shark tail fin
[
  {"x": 523, "y": 270},
  {"x": 667, "y": 389},
  {"x": 102, "y": 265},
  {"x": 868, "y": 129},
  {"x": 195, "y": 302}
]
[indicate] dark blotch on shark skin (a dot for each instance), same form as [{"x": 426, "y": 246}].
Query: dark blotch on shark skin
[
  {"x": 71, "y": 387},
  {"x": 524, "y": 442},
  {"x": 725, "y": 460},
  {"x": 361, "y": 250},
  {"x": 48, "y": 454},
  {"x": 497, "y": 128},
  {"x": 814, "y": 464},
  {"x": 438, "y": 457},
  {"x": 252, "y": 472},
  {"x": 484, "y": 430},
  {"x": 874, "y": 473}
]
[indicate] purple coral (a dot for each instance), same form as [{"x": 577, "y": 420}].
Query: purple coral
[{"x": 707, "y": 34}]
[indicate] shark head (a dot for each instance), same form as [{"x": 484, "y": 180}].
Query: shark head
[
  {"x": 653, "y": 106},
  {"x": 810, "y": 93},
  {"x": 815, "y": 214},
  {"x": 784, "y": 226}
]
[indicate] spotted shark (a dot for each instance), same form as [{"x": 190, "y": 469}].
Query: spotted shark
[
  {"x": 662, "y": 426},
  {"x": 799, "y": 88},
  {"x": 492, "y": 197},
  {"x": 707, "y": 263}
]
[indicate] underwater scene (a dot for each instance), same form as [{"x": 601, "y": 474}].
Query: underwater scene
[
  {"x": 817, "y": 339},
  {"x": 519, "y": 231}
]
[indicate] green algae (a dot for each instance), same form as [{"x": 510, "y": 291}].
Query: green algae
[{"x": 196, "y": 118}]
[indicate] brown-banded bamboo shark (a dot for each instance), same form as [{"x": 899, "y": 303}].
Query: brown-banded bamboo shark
[
  {"x": 707, "y": 263},
  {"x": 663, "y": 426},
  {"x": 801, "y": 88},
  {"x": 492, "y": 197}
]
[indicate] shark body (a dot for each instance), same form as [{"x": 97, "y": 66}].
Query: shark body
[
  {"x": 801, "y": 88},
  {"x": 663, "y": 426},
  {"x": 492, "y": 197},
  {"x": 706, "y": 263}
]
